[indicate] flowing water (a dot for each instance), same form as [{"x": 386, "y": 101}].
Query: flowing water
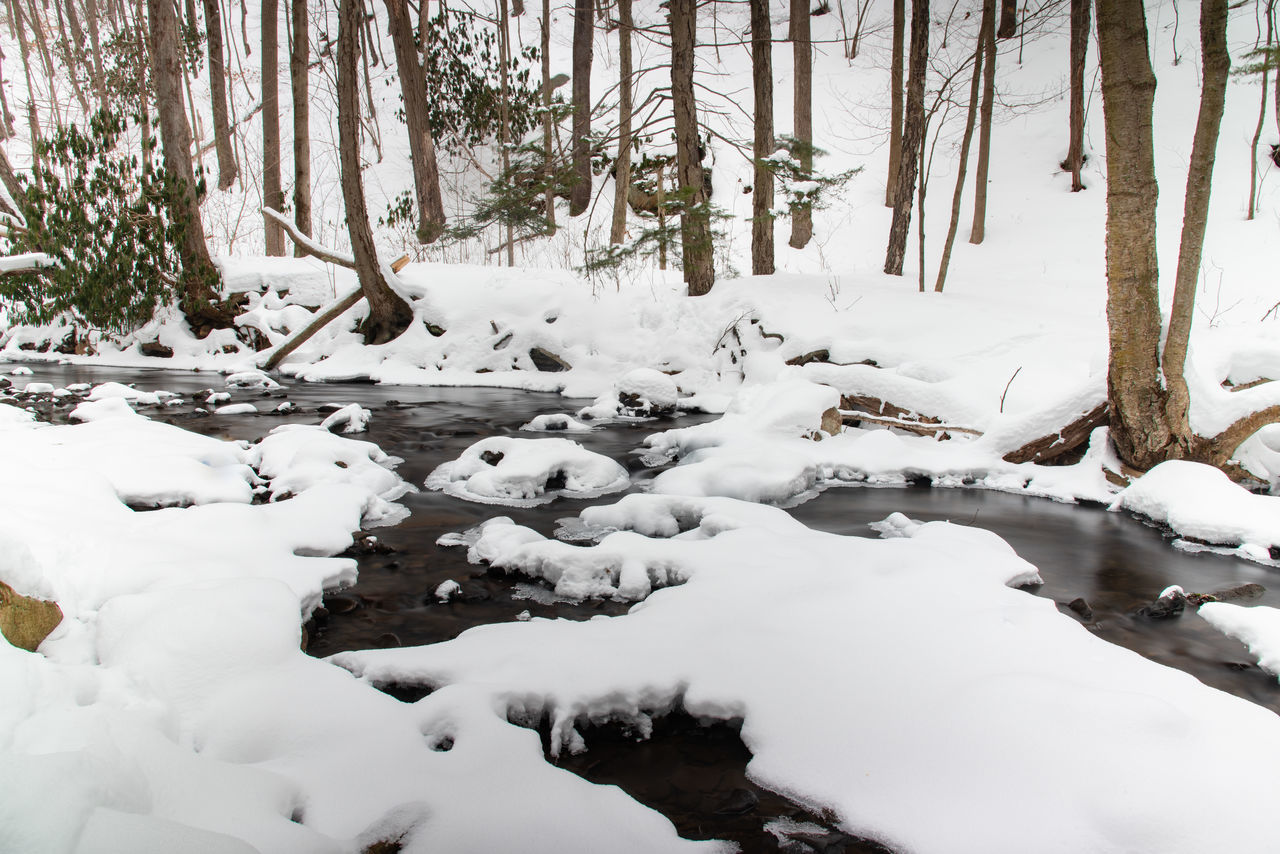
[{"x": 691, "y": 771}]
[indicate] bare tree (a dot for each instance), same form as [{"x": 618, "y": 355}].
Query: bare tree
[
  {"x": 422, "y": 149},
  {"x": 218, "y": 95},
  {"x": 895, "y": 100},
  {"x": 764, "y": 145},
  {"x": 583, "y": 31},
  {"x": 695, "y": 218},
  {"x": 622, "y": 171},
  {"x": 389, "y": 315},
  {"x": 978, "y": 231},
  {"x": 547, "y": 153},
  {"x": 912, "y": 136},
  {"x": 300, "y": 86},
  {"x": 272, "y": 194},
  {"x": 1008, "y": 19},
  {"x": 199, "y": 279},
  {"x": 802, "y": 45},
  {"x": 1079, "y": 50},
  {"x": 1262, "y": 112},
  {"x": 1146, "y": 388},
  {"x": 967, "y": 140}
]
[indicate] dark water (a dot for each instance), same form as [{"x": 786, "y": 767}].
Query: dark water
[{"x": 694, "y": 773}]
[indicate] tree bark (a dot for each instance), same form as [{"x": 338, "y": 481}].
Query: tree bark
[
  {"x": 802, "y": 46},
  {"x": 548, "y": 154},
  {"x": 218, "y": 95},
  {"x": 695, "y": 218},
  {"x": 1134, "y": 386},
  {"x": 199, "y": 278},
  {"x": 1079, "y": 51},
  {"x": 762, "y": 261},
  {"x": 389, "y": 315},
  {"x": 622, "y": 171},
  {"x": 978, "y": 231},
  {"x": 1262, "y": 114},
  {"x": 272, "y": 194},
  {"x": 580, "y": 192},
  {"x": 1008, "y": 19},
  {"x": 965, "y": 144},
  {"x": 422, "y": 150},
  {"x": 1216, "y": 65},
  {"x": 95, "y": 44},
  {"x": 504, "y": 112},
  {"x": 895, "y": 101},
  {"x": 912, "y": 133},
  {"x": 300, "y": 85}
]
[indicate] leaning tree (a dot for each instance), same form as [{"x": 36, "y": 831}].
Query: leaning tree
[{"x": 1146, "y": 386}]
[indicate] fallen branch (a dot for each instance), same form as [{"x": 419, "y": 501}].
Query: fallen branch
[
  {"x": 920, "y": 428},
  {"x": 309, "y": 246}
]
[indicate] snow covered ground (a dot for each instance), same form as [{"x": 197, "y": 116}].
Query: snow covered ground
[{"x": 173, "y": 708}]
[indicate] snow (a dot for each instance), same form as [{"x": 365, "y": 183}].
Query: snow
[
  {"x": 236, "y": 409},
  {"x": 523, "y": 472},
  {"x": 352, "y": 418},
  {"x": 1257, "y": 627}
]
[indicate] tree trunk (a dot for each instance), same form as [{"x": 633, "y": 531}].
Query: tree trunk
[
  {"x": 389, "y": 315},
  {"x": 764, "y": 145},
  {"x": 1262, "y": 114},
  {"x": 272, "y": 194},
  {"x": 1008, "y": 19},
  {"x": 1216, "y": 64},
  {"x": 300, "y": 84},
  {"x": 504, "y": 112},
  {"x": 422, "y": 150},
  {"x": 1079, "y": 50},
  {"x": 622, "y": 172},
  {"x": 895, "y": 101},
  {"x": 1134, "y": 386},
  {"x": 965, "y": 144},
  {"x": 218, "y": 95},
  {"x": 695, "y": 218},
  {"x": 978, "y": 231},
  {"x": 95, "y": 44},
  {"x": 580, "y": 193},
  {"x": 912, "y": 132},
  {"x": 199, "y": 278},
  {"x": 548, "y": 154},
  {"x": 802, "y": 45}
]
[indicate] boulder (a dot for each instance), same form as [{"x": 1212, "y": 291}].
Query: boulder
[{"x": 25, "y": 622}]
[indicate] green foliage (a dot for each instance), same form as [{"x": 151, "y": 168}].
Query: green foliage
[
  {"x": 797, "y": 186},
  {"x": 464, "y": 82},
  {"x": 517, "y": 197},
  {"x": 1260, "y": 60},
  {"x": 104, "y": 218}
]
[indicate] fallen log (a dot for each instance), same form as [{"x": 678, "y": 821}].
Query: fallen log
[
  {"x": 1064, "y": 441},
  {"x": 856, "y": 408}
]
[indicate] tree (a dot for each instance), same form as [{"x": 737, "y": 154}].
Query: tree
[
  {"x": 389, "y": 315},
  {"x": 422, "y": 149},
  {"x": 695, "y": 214},
  {"x": 978, "y": 231},
  {"x": 1146, "y": 388},
  {"x": 966, "y": 141},
  {"x": 1265, "y": 61},
  {"x": 622, "y": 170},
  {"x": 272, "y": 194},
  {"x": 300, "y": 85},
  {"x": 895, "y": 101},
  {"x": 802, "y": 216},
  {"x": 227, "y": 168},
  {"x": 549, "y": 199},
  {"x": 198, "y": 282},
  {"x": 1008, "y": 19},
  {"x": 1079, "y": 50},
  {"x": 912, "y": 135},
  {"x": 580, "y": 194},
  {"x": 764, "y": 145}
]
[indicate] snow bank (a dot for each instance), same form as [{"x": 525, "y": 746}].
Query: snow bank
[
  {"x": 1257, "y": 627},
  {"x": 955, "y": 718}
]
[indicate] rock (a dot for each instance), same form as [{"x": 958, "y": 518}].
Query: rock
[
  {"x": 155, "y": 348},
  {"x": 1081, "y": 608},
  {"x": 25, "y": 622},
  {"x": 5, "y": 382},
  {"x": 831, "y": 423},
  {"x": 491, "y": 457},
  {"x": 823, "y": 355},
  {"x": 1240, "y": 591},
  {"x": 1171, "y": 604},
  {"x": 739, "y": 802},
  {"x": 545, "y": 360}
]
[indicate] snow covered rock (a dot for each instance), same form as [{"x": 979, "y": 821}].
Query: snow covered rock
[
  {"x": 526, "y": 472},
  {"x": 251, "y": 379},
  {"x": 1257, "y": 627},
  {"x": 351, "y": 418},
  {"x": 556, "y": 424}
]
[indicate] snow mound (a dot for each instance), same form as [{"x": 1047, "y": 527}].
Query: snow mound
[
  {"x": 1199, "y": 501},
  {"x": 352, "y": 418},
  {"x": 133, "y": 395},
  {"x": 251, "y": 379},
  {"x": 556, "y": 424},
  {"x": 1257, "y": 627},
  {"x": 237, "y": 409},
  {"x": 527, "y": 472}
]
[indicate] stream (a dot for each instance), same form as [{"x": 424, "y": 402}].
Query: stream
[{"x": 692, "y": 772}]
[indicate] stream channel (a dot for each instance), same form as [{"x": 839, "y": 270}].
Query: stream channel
[{"x": 693, "y": 773}]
